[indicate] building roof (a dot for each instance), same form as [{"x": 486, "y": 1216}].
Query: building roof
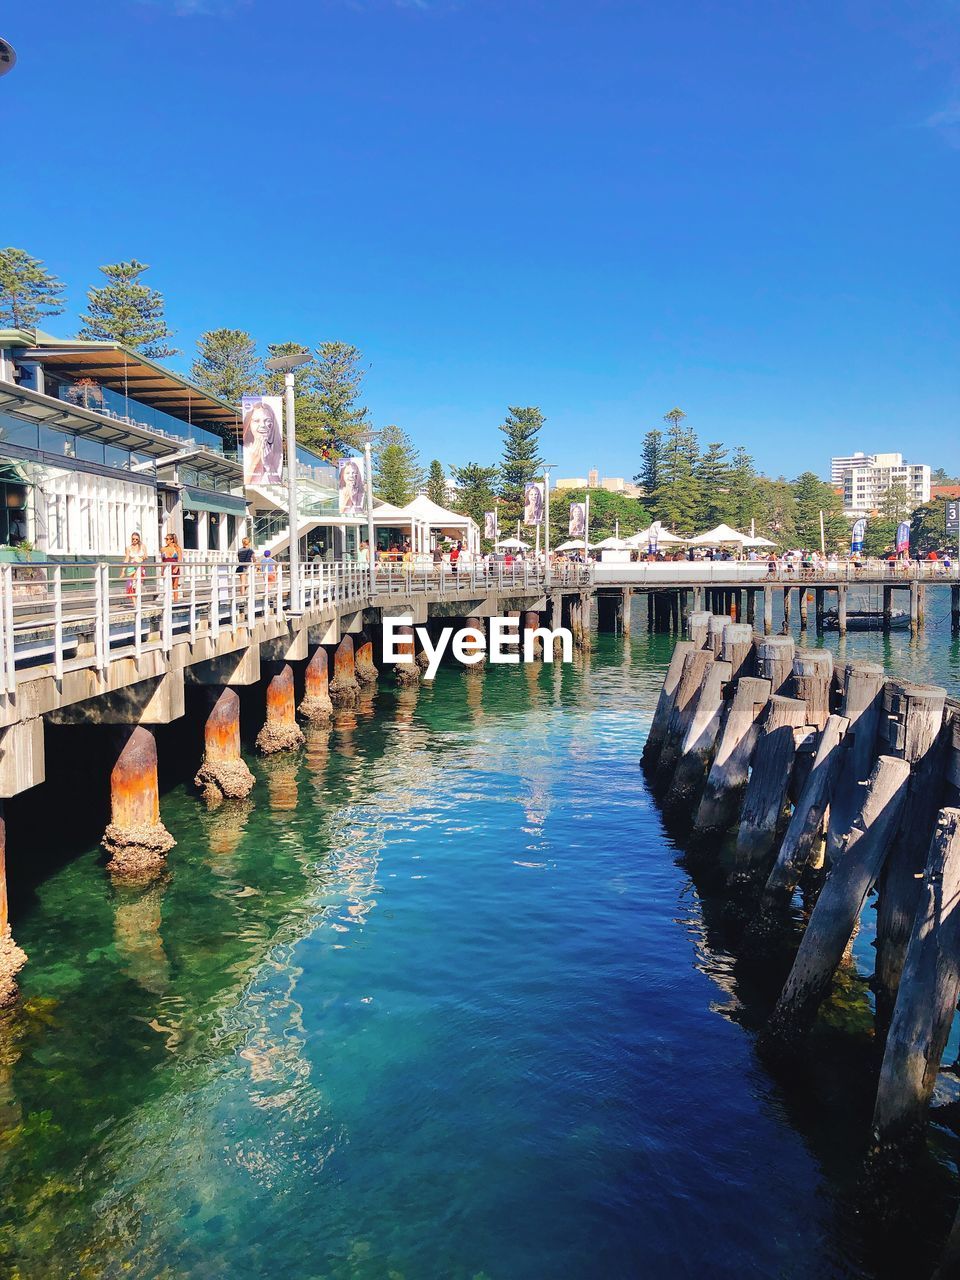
[
  {"x": 425, "y": 508},
  {"x": 127, "y": 371},
  {"x": 945, "y": 491}
]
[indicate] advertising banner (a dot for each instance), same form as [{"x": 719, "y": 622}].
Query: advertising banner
[
  {"x": 903, "y": 536},
  {"x": 533, "y": 503},
  {"x": 857, "y": 535},
  {"x": 262, "y": 439},
  {"x": 350, "y": 487},
  {"x": 490, "y": 525},
  {"x": 578, "y": 520},
  {"x": 653, "y": 538}
]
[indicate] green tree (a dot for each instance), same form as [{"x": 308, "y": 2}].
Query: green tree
[
  {"x": 28, "y": 291},
  {"x": 437, "y": 484},
  {"x": 521, "y": 459},
  {"x": 743, "y": 495},
  {"x": 713, "y": 475},
  {"x": 928, "y": 528},
  {"x": 651, "y": 459},
  {"x": 607, "y": 512},
  {"x": 305, "y": 403},
  {"x": 776, "y": 511},
  {"x": 397, "y": 474},
  {"x": 894, "y": 503},
  {"x": 940, "y": 477},
  {"x": 126, "y": 311},
  {"x": 880, "y": 536},
  {"x": 814, "y": 495},
  {"x": 475, "y": 486},
  {"x": 336, "y": 378},
  {"x": 676, "y": 500},
  {"x": 226, "y": 364}
]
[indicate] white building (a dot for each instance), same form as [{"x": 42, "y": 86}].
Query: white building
[
  {"x": 838, "y": 466},
  {"x": 866, "y": 485}
]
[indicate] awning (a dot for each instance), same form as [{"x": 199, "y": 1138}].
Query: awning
[{"x": 207, "y": 500}]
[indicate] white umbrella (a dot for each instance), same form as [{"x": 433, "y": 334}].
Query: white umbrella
[
  {"x": 664, "y": 538},
  {"x": 612, "y": 544},
  {"x": 574, "y": 544},
  {"x": 513, "y": 544},
  {"x": 718, "y": 536},
  {"x": 758, "y": 542}
]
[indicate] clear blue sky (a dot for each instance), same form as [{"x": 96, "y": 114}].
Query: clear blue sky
[{"x": 605, "y": 208}]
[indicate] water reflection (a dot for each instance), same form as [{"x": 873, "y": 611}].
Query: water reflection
[{"x": 136, "y": 931}]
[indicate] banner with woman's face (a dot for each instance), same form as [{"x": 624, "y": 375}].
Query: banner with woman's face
[
  {"x": 533, "y": 503},
  {"x": 262, "y": 439},
  {"x": 350, "y": 487},
  {"x": 578, "y": 519},
  {"x": 490, "y": 525}
]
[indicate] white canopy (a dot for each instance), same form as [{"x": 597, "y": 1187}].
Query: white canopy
[
  {"x": 663, "y": 538},
  {"x": 758, "y": 542},
  {"x": 718, "y": 536},
  {"x": 611, "y": 544},
  {"x": 510, "y": 544},
  {"x": 573, "y": 544}
]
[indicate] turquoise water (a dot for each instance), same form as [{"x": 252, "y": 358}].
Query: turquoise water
[{"x": 437, "y": 1002}]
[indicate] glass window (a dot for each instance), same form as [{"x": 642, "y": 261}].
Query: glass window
[
  {"x": 89, "y": 450},
  {"x": 56, "y": 442},
  {"x": 116, "y": 457},
  {"x": 18, "y": 431}
]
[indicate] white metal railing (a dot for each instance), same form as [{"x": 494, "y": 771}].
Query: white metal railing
[{"x": 68, "y": 616}]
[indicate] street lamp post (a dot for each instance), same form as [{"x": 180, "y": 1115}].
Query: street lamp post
[
  {"x": 371, "y": 559},
  {"x": 286, "y": 366},
  {"x": 547, "y": 468}
]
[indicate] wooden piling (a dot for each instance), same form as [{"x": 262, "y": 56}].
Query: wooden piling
[
  {"x": 818, "y": 593},
  {"x": 955, "y": 610},
  {"x": 694, "y": 672},
  {"x": 586, "y": 607},
  {"x": 730, "y": 770},
  {"x": 696, "y": 752},
  {"x": 530, "y": 622},
  {"x": 861, "y": 706},
  {"x": 839, "y": 905},
  {"x": 626, "y": 608},
  {"x": 806, "y": 821},
  {"x": 280, "y": 730},
  {"x": 344, "y": 688},
  {"x": 761, "y": 819},
  {"x": 787, "y": 607},
  {"x": 223, "y": 774},
  {"x": 12, "y": 958},
  {"x": 697, "y": 626},
  {"x": 316, "y": 706},
  {"x": 767, "y": 610},
  {"x": 804, "y": 609},
  {"x": 715, "y": 624},
  {"x": 775, "y": 662},
  {"x": 737, "y": 649},
  {"x": 842, "y": 609},
  {"x": 751, "y": 606},
  {"x": 926, "y": 1000},
  {"x": 136, "y": 839},
  {"x": 887, "y": 607},
  {"x": 364, "y": 667},
  {"x": 914, "y": 732},
  {"x": 664, "y": 708},
  {"x": 812, "y": 677}
]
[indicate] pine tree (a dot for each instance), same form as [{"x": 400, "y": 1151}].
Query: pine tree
[
  {"x": 742, "y": 491},
  {"x": 776, "y": 513},
  {"x": 437, "y": 484},
  {"x": 397, "y": 474},
  {"x": 895, "y": 503},
  {"x": 677, "y": 498},
  {"x": 128, "y": 312},
  {"x": 521, "y": 460},
  {"x": 814, "y": 495},
  {"x": 335, "y": 379},
  {"x": 651, "y": 460},
  {"x": 475, "y": 489},
  {"x": 713, "y": 475},
  {"x": 226, "y": 364},
  {"x": 28, "y": 291}
]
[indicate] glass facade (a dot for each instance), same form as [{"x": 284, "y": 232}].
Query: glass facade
[
  {"x": 63, "y": 443},
  {"x": 115, "y": 404}
]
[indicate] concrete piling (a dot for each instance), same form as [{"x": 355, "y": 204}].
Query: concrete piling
[
  {"x": 407, "y": 670},
  {"x": 812, "y": 677},
  {"x": 316, "y": 706},
  {"x": 737, "y": 649},
  {"x": 280, "y": 731},
  {"x": 224, "y": 773},
  {"x": 136, "y": 839},
  {"x": 366, "y": 672},
  {"x": 775, "y": 662}
]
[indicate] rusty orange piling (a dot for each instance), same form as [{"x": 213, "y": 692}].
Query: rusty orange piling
[
  {"x": 280, "y": 731},
  {"x": 407, "y": 669},
  {"x": 316, "y": 707},
  {"x": 136, "y": 839},
  {"x": 224, "y": 773},
  {"x": 344, "y": 687},
  {"x": 529, "y": 622},
  {"x": 12, "y": 959},
  {"x": 363, "y": 655}
]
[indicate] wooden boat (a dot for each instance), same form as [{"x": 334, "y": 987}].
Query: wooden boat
[{"x": 866, "y": 620}]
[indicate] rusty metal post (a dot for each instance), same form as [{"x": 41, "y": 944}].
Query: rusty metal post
[
  {"x": 224, "y": 774},
  {"x": 280, "y": 731},
  {"x": 344, "y": 688},
  {"x": 12, "y": 959},
  {"x": 406, "y": 670},
  {"x": 136, "y": 839},
  {"x": 316, "y": 707}
]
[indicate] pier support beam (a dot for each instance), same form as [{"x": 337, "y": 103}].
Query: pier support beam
[
  {"x": 12, "y": 959},
  {"x": 842, "y": 609},
  {"x": 626, "y": 605},
  {"x": 812, "y": 677},
  {"x": 737, "y": 649},
  {"x": 775, "y": 661},
  {"x": 804, "y": 610},
  {"x": 787, "y": 607},
  {"x": 316, "y": 707},
  {"x": 280, "y": 731},
  {"x": 406, "y": 670},
  {"x": 344, "y": 688},
  {"x": 767, "y": 610},
  {"x": 730, "y": 770},
  {"x": 918, "y": 594},
  {"x": 363, "y": 659},
  {"x": 136, "y": 839},
  {"x": 955, "y": 611},
  {"x": 762, "y": 818},
  {"x": 530, "y": 622},
  {"x": 818, "y": 606},
  {"x": 887, "y": 607},
  {"x": 224, "y": 774}
]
